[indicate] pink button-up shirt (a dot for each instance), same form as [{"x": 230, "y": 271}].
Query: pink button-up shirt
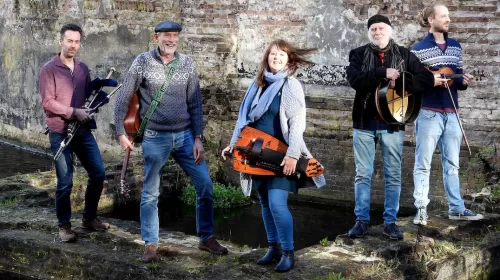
[{"x": 62, "y": 91}]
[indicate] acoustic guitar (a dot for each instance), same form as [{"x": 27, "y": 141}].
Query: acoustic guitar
[
  {"x": 132, "y": 123},
  {"x": 258, "y": 153}
]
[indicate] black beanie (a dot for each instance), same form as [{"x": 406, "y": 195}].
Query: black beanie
[{"x": 378, "y": 18}]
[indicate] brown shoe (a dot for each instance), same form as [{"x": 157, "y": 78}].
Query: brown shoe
[
  {"x": 212, "y": 246},
  {"x": 66, "y": 234},
  {"x": 94, "y": 224},
  {"x": 149, "y": 254}
]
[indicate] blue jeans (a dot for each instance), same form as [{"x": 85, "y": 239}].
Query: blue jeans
[
  {"x": 391, "y": 144},
  {"x": 85, "y": 148},
  {"x": 433, "y": 128},
  {"x": 277, "y": 218},
  {"x": 156, "y": 148}
]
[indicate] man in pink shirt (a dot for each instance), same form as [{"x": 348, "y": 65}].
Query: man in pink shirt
[{"x": 64, "y": 81}]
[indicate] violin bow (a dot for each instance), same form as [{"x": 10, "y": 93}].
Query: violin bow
[{"x": 458, "y": 116}]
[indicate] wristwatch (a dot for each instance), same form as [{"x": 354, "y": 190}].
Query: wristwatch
[{"x": 200, "y": 137}]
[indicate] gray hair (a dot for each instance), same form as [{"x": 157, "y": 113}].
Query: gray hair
[{"x": 389, "y": 28}]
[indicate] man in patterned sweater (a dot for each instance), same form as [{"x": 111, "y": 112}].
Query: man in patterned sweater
[
  {"x": 175, "y": 127},
  {"x": 437, "y": 123}
]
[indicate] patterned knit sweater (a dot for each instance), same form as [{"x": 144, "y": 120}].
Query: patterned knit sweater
[
  {"x": 431, "y": 55},
  {"x": 181, "y": 105}
]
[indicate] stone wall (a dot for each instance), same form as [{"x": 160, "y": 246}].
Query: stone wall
[{"x": 227, "y": 39}]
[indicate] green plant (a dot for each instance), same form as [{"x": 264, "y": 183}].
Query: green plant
[
  {"x": 324, "y": 241},
  {"x": 225, "y": 197},
  {"x": 153, "y": 265},
  {"x": 495, "y": 193},
  {"x": 93, "y": 237},
  {"x": 9, "y": 201}
]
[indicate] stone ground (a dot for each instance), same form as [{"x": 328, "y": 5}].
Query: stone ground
[{"x": 29, "y": 247}]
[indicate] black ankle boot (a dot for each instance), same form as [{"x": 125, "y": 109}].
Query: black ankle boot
[
  {"x": 273, "y": 253},
  {"x": 287, "y": 261}
]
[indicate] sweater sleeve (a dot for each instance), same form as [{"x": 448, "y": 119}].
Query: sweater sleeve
[
  {"x": 296, "y": 114},
  {"x": 130, "y": 85},
  {"x": 460, "y": 70},
  {"x": 359, "y": 79},
  {"x": 422, "y": 79},
  {"x": 194, "y": 100}
]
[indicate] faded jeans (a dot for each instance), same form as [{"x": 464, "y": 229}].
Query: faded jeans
[
  {"x": 85, "y": 148},
  {"x": 391, "y": 144},
  {"x": 442, "y": 129},
  {"x": 156, "y": 148}
]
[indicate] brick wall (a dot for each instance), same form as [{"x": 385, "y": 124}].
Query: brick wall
[{"x": 227, "y": 39}]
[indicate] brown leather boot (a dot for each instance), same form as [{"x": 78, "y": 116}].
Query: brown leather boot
[
  {"x": 94, "y": 224},
  {"x": 149, "y": 254},
  {"x": 212, "y": 246},
  {"x": 66, "y": 234}
]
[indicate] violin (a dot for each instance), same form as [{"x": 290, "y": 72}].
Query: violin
[{"x": 448, "y": 73}]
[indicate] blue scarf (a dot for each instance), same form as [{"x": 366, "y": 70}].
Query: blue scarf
[{"x": 253, "y": 107}]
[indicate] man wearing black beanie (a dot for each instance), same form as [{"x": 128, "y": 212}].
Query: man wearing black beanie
[{"x": 369, "y": 65}]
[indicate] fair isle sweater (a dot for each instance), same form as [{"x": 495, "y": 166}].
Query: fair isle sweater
[
  {"x": 180, "y": 107},
  {"x": 434, "y": 57}
]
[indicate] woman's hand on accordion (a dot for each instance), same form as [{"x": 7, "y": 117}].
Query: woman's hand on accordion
[
  {"x": 289, "y": 164},
  {"x": 226, "y": 151}
]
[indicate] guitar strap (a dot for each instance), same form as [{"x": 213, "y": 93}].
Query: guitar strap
[{"x": 158, "y": 96}]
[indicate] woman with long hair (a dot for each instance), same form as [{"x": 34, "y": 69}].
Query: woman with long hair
[{"x": 275, "y": 104}]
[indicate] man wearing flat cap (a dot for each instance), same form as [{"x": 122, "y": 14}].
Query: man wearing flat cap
[
  {"x": 380, "y": 60},
  {"x": 171, "y": 124}
]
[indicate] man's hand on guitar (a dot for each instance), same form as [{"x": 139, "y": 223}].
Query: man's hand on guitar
[
  {"x": 289, "y": 165},
  {"x": 198, "y": 151},
  {"x": 82, "y": 115},
  {"x": 467, "y": 79},
  {"x": 228, "y": 149},
  {"x": 125, "y": 143}
]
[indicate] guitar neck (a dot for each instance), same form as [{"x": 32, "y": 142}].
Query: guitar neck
[{"x": 125, "y": 165}]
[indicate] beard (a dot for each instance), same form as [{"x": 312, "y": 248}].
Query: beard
[
  {"x": 167, "y": 50},
  {"x": 441, "y": 29},
  {"x": 69, "y": 53},
  {"x": 382, "y": 41}
]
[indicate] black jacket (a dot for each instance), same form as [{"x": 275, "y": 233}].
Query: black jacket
[{"x": 366, "y": 82}]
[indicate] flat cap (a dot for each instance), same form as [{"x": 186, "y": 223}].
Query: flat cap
[{"x": 168, "y": 25}]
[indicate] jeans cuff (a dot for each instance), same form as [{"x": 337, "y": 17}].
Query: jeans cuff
[{"x": 205, "y": 237}]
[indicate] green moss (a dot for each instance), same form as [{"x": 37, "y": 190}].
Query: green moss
[{"x": 9, "y": 201}]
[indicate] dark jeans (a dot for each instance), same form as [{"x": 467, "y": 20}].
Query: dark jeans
[{"x": 85, "y": 148}]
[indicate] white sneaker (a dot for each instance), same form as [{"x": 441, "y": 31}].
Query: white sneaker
[{"x": 421, "y": 217}]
